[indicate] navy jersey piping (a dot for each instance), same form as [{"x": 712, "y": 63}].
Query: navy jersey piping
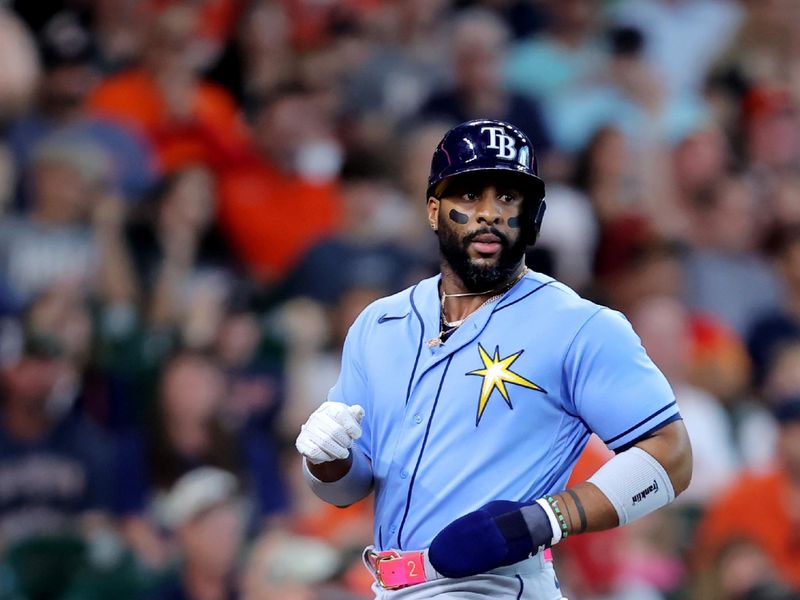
[
  {"x": 521, "y": 586},
  {"x": 649, "y": 432},
  {"x": 520, "y": 299},
  {"x": 419, "y": 345},
  {"x": 421, "y": 452},
  {"x": 386, "y": 317},
  {"x": 640, "y": 423}
]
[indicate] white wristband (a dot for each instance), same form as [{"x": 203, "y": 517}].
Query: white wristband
[
  {"x": 551, "y": 516},
  {"x": 354, "y": 486},
  {"x": 635, "y": 483}
]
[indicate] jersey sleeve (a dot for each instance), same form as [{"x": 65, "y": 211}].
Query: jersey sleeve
[
  {"x": 611, "y": 383},
  {"x": 352, "y": 387}
]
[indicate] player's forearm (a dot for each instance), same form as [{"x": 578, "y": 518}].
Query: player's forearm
[
  {"x": 341, "y": 482},
  {"x": 586, "y": 508},
  {"x": 631, "y": 485}
]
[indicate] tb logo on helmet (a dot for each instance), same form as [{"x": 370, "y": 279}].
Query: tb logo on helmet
[{"x": 502, "y": 142}]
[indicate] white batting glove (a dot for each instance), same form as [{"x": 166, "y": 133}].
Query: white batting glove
[{"x": 329, "y": 432}]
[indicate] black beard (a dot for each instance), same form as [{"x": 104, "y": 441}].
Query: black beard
[{"x": 480, "y": 278}]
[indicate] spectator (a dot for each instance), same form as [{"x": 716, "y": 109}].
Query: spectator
[
  {"x": 68, "y": 52},
  {"x": 743, "y": 571},
  {"x": 55, "y": 242},
  {"x": 720, "y": 364},
  {"x": 561, "y": 59},
  {"x": 176, "y": 244},
  {"x": 206, "y": 515},
  {"x": 56, "y": 468},
  {"x": 388, "y": 82},
  {"x": 782, "y": 324},
  {"x": 296, "y": 158},
  {"x": 258, "y": 59},
  {"x": 274, "y": 573},
  {"x": 626, "y": 93},
  {"x": 314, "y": 357},
  {"x": 732, "y": 516},
  {"x": 189, "y": 432},
  {"x": 663, "y": 325},
  {"x": 725, "y": 276},
  {"x": 705, "y": 27},
  {"x": 771, "y": 139},
  {"x": 364, "y": 250},
  {"x": 700, "y": 161},
  {"x": 763, "y": 52},
  {"x": 634, "y": 264},
  {"x": 254, "y": 364},
  {"x": 479, "y": 43},
  {"x": 627, "y": 188},
  {"x": 121, "y": 32},
  {"x": 411, "y": 180},
  {"x": 186, "y": 119}
]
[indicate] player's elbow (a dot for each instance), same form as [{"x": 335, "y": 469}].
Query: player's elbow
[
  {"x": 681, "y": 473},
  {"x": 679, "y": 457},
  {"x": 671, "y": 447}
]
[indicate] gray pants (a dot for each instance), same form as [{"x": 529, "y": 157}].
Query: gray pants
[{"x": 532, "y": 579}]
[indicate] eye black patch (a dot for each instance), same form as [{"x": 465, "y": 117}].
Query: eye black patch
[
  {"x": 513, "y": 222},
  {"x": 458, "y": 217}
]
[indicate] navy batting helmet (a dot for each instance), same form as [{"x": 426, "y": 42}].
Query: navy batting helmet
[{"x": 489, "y": 145}]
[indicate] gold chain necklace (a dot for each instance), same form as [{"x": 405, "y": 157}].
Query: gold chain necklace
[{"x": 446, "y": 326}]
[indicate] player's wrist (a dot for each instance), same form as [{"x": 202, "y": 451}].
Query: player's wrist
[{"x": 547, "y": 524}]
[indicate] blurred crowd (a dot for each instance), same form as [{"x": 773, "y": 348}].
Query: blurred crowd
[{"x": 197, "y": 197}]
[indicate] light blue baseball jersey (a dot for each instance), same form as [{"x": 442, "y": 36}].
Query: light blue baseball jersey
[{"x": 502, "y": 410}]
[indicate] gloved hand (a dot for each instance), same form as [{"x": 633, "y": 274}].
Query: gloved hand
[
  {"x": 329, "y": 432},
  {"x": 495, "y": 535}
]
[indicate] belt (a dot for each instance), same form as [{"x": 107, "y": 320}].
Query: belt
[{"x": 396, "y": 569}]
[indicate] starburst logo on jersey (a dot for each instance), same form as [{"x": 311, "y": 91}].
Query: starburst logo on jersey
[{"x": 496, "y": 373}]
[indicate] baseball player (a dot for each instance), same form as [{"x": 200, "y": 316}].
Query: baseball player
[{"x": 464, "y": 401}]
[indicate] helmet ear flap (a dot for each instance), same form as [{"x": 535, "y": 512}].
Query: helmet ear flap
[{"x": 538, "y": 217}]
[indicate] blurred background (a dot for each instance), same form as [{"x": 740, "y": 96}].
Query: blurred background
[{"x": 197, "y": 197}]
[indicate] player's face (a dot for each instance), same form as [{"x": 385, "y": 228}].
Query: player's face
[{"x": 480, "y": 227}]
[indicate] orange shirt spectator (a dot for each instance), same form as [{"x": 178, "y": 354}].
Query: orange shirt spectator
[
  {"x": 210, "y": 126},
  {"x": 272, "y": 217},
  {"x": 757, "y": 507}
]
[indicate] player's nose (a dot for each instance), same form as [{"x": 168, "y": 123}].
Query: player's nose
[{"x": 488, "y": 209}]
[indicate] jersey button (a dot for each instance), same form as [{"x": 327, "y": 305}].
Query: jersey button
[
  {"x": 393, "y": 529},
  {"x": 403, "y": 473},
  {"x": 417, "y": 419}
]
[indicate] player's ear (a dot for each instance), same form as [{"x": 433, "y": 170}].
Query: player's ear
[{"x": 433, "y": 212}]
